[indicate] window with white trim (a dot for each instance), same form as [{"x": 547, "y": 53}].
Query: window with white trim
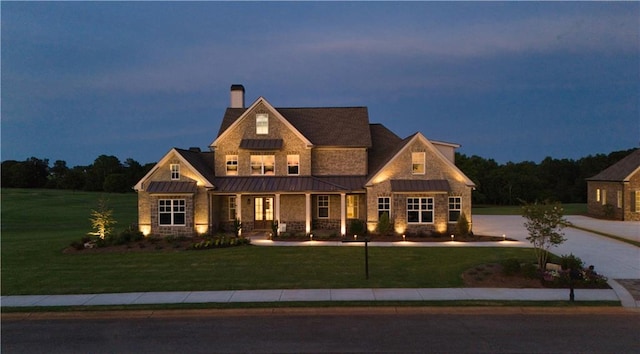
[
  {"x": 455, "y": 208},
  {"x": 175, "y": 171},
  {"x": 232, "y": 208},
  {"x": 262, "y": 123},
  {"x": 384, "y": 206},
  {"x": 323, "y": 206},
  {"x": 417, "y": 163},
  {"x": 352, "y": 207},
  {"x": 263, "y": 165},
  {"x": 420, "y": 210},
  {"x": 637, "y": 201},
  {"x": 171, "y": 212},
  {"x": 293, "y": 164},
  {"x": 619, "y": 199},
  {"x": 232, "y": 165}
]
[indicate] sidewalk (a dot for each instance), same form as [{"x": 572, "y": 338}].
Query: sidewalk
[{"x": 310, "y": 295}]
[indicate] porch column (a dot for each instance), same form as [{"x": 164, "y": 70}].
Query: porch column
[
  {"x": 307, "y": 213},
  {"x": 277, "y": 211},
  {"x": 343, "y": 214},
  {"x": 239, "y": 210}
]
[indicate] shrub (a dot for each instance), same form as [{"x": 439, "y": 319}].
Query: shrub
[
  {"x": 462, "y": 226},
  {"x": 356, "y": 227},
  {"x": 384, "y": 224},
  {"x": 511, "y": 266},
  {"x": 571, "y": 262},
  {"x": 530, "y": 270}
]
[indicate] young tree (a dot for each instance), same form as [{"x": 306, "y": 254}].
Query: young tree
[
  {"x": 102, "y": 220},
  {"x": 545, "y": 223}
]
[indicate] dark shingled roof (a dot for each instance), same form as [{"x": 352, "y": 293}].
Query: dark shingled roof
[
  {"x": 203, "y": 162},
  {"x": 412, "y": 185},
  {"x": 261, "y": 144},
  {"x": 289, "y": 184},
  {"x": 385, "y": 144},
  {"x": 620, "y": 171},
  {"x": 172, "y": 187},
  {"x": 331, "y": 126}
]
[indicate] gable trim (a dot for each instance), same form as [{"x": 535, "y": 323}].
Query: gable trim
[
  {"x": 418, "y": 136},
  {"x": 173, "y": 153},
  {"x": 272, "y": 110}
]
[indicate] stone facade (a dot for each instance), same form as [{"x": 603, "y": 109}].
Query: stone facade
[{"x": 208, "y": 208}]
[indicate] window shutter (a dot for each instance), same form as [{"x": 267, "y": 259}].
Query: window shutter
[{"x": 634, "y": 207}]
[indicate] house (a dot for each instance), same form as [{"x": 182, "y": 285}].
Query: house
[
  {"x": 307, "y": 169},
  {"x": 614, "y": 193}
]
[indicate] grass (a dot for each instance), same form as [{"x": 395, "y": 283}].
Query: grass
[
  {"x": 569, "y": 209},
  {"x": 38, "y": 224}
]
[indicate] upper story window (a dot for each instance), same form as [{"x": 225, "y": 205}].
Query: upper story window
[
  {"x": 175, "y": 171},
  {"x": 232, "y": 165},
  {"x": 262, "y": 123},
  {"x": 293, "y": 164},
  {"x": 263, "y": 165},
  {"x": 417, "y": 163}
]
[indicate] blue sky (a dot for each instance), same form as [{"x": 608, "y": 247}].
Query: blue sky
[{"x": 509, "y": 81}]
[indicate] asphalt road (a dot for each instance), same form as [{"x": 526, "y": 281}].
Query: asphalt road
[{"x": 461, "y": 331}]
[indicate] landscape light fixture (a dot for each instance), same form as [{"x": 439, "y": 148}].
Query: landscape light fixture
[
  {"x": 404, "y": 238},
  {"x": 504, "y": 237},
  {"x": 452, "y": 237}
]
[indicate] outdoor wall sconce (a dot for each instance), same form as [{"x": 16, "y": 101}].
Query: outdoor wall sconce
[{"x": 248, "y": 201}]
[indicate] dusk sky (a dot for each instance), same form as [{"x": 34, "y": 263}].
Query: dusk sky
[{"x": 510, "y": 81}]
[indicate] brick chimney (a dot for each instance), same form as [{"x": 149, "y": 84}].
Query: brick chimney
[{"x": 237, "y": 96}]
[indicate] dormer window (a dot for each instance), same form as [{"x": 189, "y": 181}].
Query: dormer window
[
  {"x": 175, "y": 171},
  {"x": 262, "y": 124},
  {"x": 417, "y": 163}
]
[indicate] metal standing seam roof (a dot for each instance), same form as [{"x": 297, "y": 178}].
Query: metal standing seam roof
[
  {"x": 413, "y": 185},
  {"x": 261, "y": 144},
  {"x": 158, "y": 187},
  {"x": 271, "y": 184}
]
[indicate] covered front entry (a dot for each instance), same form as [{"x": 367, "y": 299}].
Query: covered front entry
[{"x": 263, "y": 213}]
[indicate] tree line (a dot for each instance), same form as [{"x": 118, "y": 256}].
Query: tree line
[
  {"x": 106, "y": 174},
  {"x": 560, "y": 180}
]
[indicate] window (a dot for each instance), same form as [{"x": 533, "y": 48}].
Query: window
[
  {"x": 263, "y": 165},
  {"x": 262, "y": 123},
  {"x": 175, "y": 171},
  {"x": 384, "y": 206},
  {"x": 598, "y": 195},
  {"x": 232, "y": 208},
  {"x": 455, "y": 206},
  {"x": 417, "y": 163},
  {"x": 171, "y": 211},
  {"x": 420, "y": 210},
  {"x": 293, "y": 164},
  {"x": 619, "y": 197},
  {"x": 352, "y": 207},
  {"x": 232, "y": 165},
  {"x": 323, "y": 206},
  {"x": 603, "y": 194},
  {"x": 637, "y": 201}
]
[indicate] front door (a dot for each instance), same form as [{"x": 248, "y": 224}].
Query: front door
[{"x": 263, "y": 213}]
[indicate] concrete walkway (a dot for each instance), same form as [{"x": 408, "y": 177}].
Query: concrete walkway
[
  {"x": 613, "y": 259},
  {"x": 309, "y": 295}
]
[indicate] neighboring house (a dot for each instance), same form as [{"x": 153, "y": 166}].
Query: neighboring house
[
  {"x": 615, "y": 192},
  {"x": 307, "y": 168}
]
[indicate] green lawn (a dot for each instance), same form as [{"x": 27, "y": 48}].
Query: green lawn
[{"x": 38, "y": 224}]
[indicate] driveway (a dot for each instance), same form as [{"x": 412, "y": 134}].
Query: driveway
[{"x": 611, "y": 258}]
